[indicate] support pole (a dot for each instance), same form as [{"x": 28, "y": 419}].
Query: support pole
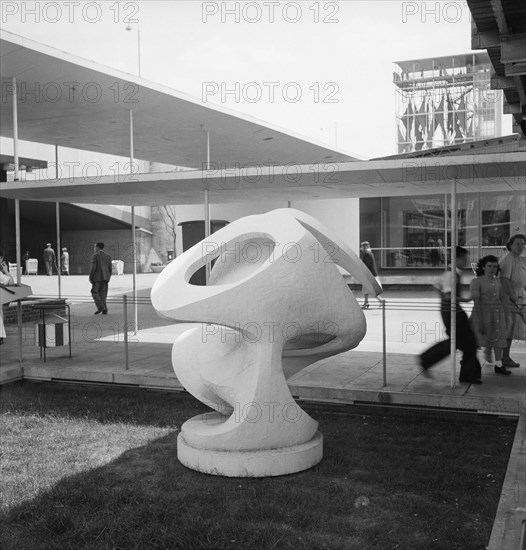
[
  {"x": 15, "y": 131},
  {"x": 479, "y": 226},
  {"x": 57, "y": 217},
  {"x": 134, "y": 242},
  {"x": 453, "y": 349},
  {"x": 445, "y": 231},
  {"x": 18, "y": 263},
  {"x": 384, "y": 344},
  {"x": 125, "y": 333},
  {"x": 207, "y": 204},
  {"x": 17, "y": 218},
  {"x": 59, "y": 249}
]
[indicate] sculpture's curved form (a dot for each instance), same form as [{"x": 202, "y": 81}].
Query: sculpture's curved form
[{"x": 275, "y": 285}]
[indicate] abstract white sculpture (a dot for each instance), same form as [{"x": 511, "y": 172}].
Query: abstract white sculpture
[{"x": 274, "y": 283}]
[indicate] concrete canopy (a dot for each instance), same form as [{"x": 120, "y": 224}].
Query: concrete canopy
[
  {"x": 500, "y": 172},
  {"x": 72, "y": 102}
]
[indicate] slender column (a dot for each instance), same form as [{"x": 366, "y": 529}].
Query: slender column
[
  {"x": 15, "y": 131},
  {"x": 57, "y": 216},
  {"x": 445, "y": 230},
  {"x": 134, "y": 242},
  {"x": 384, "y": 343},
  {"x": 207, "y": 203},
  {"x": 479, "y": 226},
  {"x": 207, "y": 229},
  {"x": 59, "y": 249},
  {"x": 453, "y": 282},
  {"x": 19, "y": 303},
  {"x": 17, "y": 218}
]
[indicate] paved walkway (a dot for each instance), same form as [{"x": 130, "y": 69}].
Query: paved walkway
[{"x": 412, "y": 324}]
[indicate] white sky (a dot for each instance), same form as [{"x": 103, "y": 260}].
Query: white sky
[{"x": 185, "y": 44}]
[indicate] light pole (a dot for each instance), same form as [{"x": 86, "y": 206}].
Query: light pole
[{"x": 130, "y": 28}]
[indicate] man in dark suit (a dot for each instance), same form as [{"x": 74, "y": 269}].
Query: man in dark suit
[{"x": 99, "y": 278}]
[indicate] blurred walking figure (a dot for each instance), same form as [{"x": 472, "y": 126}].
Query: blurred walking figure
[
  {"x": 488, "y": 318},
  {"x": 99, "y": 278},
  {"x": 49, "y": 259},
  {"x": 64, "y": 262},
  {"x": 470, "y": 369},
  {"x": 367, "y": 257},
  {"x": 513, "y": 277}
]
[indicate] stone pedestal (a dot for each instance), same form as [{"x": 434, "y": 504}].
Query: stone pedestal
[{"x": 258, "y": 463}]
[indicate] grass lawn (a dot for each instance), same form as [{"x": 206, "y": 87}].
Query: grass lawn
[{"x": 96, "y": 468}]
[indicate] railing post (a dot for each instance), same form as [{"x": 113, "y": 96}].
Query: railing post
[{"x": 125, "y": 331}]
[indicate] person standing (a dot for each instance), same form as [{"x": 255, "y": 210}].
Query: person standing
[
  {"x": 99, "y": 278},
  {"x": 5, "y": 280},
  {"x": 470, "y": 368},
  {"x": 488, "y": 318},
  {"x": 367, "y": 257},
  {"x": 25, "y": 257},
  {"x": 441, "y": 251},
  {"x": 49, "y": 259},
  {"x": 64, "y": 262},
  {"x": 513, "y": 277}
]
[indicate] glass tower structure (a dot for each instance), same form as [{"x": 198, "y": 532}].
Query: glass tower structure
[{"x": 445, "y": 101}]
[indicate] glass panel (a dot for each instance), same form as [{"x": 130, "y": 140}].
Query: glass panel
[{"x": 416, "y": 235}]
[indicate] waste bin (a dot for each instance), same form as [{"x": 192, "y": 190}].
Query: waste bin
[
  {"x": 400, "y": 260},
  {"x": 117, "y": 267},
  {"x": 52, "y": 332},
  {"x": 31, "y": 266}
]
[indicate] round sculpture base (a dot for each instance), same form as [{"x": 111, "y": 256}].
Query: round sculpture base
[{"x": 263, "y": 463}]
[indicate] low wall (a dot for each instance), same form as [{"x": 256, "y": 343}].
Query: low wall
[{"x": 30, "y": 313}]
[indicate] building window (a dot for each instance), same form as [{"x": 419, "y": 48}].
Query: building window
[{"x": 415, "y": 232}]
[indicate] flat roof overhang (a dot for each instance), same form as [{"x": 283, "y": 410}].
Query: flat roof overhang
[
  {"x": 496, "y": 172},
  {"x": 72, "y": 102}
]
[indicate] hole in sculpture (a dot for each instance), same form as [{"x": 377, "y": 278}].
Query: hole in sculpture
[{"x": 241, "y": 259}]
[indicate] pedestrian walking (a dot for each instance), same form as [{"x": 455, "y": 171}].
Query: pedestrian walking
[
  {"x": 99, "y": 277},
  {"x": 470, "y": 368},
  {"x": 367, "y": 257},
  {"x": 64, "y": 262},
  {"x": 488, "y": 318},
  {"x": 50, "y": 259},
  {"x": 513, "y": 277}
]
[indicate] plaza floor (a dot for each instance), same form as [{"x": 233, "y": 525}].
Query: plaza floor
[{"x": 364, "y": 375}]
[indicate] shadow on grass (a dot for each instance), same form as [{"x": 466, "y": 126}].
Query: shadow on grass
[{"x": 385, "y": 482}]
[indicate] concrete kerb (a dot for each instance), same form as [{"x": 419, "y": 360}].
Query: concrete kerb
[{"x": 509, "y": 526}]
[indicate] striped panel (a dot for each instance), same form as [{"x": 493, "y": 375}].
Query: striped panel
[{"x": 51, "y": 335}]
